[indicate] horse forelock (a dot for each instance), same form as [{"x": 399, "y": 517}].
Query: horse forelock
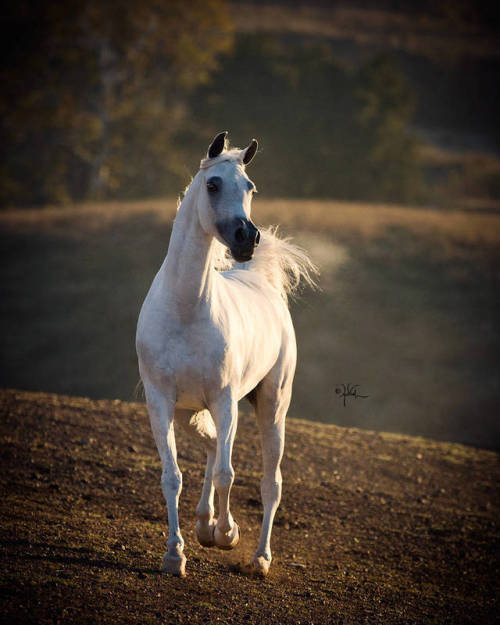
[{"x": 229, "y": 155}]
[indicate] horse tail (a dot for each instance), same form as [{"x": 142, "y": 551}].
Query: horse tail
[
  {"x": 139, "y": 390},
  {"x": 283, "y": 264}
]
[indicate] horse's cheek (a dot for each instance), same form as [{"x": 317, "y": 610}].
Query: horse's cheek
[{"x": 206, "y": 219}]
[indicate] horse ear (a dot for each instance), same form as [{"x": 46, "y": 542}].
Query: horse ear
[
  {"x": 217, "y": 145},
  {"x": 250, "y": 151}
]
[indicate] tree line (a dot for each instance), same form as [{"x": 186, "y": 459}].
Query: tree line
[{"x": 116, "y": 100}]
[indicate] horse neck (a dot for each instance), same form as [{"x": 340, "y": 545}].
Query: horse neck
[{"x": 188, "y": 271}]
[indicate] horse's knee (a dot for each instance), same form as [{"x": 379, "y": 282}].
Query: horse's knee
[
  {"x": 223, "y": 479},
  {"x": 171, "y": 483},
  {"x": 270, "y": 488}
]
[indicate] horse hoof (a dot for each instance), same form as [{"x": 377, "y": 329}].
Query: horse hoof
[
  {"x": 227, "y": 540},
  {"x": 205, "y": 533},
  {"x": 258, "y": 567},
  {"x": 174, "y": 565}
]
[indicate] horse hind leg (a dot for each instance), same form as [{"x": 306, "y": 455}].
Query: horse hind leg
[
  {"x": 201, "y": 427},
  {"x": 161, "y": 413},
  {"x": 225, "y": 413}
]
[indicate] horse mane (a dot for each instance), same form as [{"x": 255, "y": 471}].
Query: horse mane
[{"x": 283, "y": 264}]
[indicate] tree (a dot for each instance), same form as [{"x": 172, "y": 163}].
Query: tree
[
  {"x": 328, "y": 130},
  {"x": 389, "y": 164},
  {"x": 94, "y": 93}
]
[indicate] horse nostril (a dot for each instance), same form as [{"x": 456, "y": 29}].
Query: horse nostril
[
  {"x": 257, "y": 238},
  {"x": 239, "y": 235}
]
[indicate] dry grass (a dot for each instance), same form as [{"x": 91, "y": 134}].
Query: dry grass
[
  {"x": 371, "y": 220},
  {"x": 415, "y": 33},
  {"x": 409, "y": 308},
  {"x": 356, "y": 218}
]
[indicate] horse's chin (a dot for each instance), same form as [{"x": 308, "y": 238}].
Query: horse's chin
[{"x": 240, "y": 257}]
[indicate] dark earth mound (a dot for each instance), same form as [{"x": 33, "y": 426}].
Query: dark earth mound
[{"x": 373, "y": 528}]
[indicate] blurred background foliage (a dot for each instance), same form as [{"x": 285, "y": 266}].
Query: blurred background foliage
[
  {"x": 334, "y": 132},
  {"x": 354, "y": 101},
  {"x": 93, "y": 93}
]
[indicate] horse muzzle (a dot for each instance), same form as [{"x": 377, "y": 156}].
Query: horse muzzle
[{"x": 241, "y": 236}]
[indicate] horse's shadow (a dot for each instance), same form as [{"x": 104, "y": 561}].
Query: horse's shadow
[
  {"x": 84, "y": 557},
  {"x": 87, "y": 557}
]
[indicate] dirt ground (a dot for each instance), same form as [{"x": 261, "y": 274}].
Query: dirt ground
[{"x": 373, "y": 528}]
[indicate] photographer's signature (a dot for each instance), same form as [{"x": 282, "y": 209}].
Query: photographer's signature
[{"x": 343, "y": 391}]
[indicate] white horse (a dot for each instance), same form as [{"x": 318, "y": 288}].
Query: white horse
[{"x": 206, "y": 338}]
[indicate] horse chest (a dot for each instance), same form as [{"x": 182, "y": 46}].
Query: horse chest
[{"x": 190, "y": 359}]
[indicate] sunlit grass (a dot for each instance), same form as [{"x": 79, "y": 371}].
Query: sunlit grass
[
  {"x": 407, "y": 307},
  {"x": 368, "y": 220},
  {"x": 416, "y": 32}
]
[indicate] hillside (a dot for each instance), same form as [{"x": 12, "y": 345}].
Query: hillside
[
  {"x": 408, "y": 308},
  {"x": 413, "y": 28},
  {"x": 373, "y": 527}
]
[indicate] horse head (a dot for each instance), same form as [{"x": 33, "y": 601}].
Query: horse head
[{"x": 228, "y": 192}]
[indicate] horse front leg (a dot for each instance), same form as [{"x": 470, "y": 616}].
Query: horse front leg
[
  {"x": 161, "y": 414},
  {"x": 271, "y": 412},
  {"x": 225, "y": 414}
]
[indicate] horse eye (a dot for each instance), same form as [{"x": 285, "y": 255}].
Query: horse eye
[{"x": 212, "y": 187}]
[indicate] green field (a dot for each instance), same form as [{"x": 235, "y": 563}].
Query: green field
[{"x": 407, "y": 308}]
